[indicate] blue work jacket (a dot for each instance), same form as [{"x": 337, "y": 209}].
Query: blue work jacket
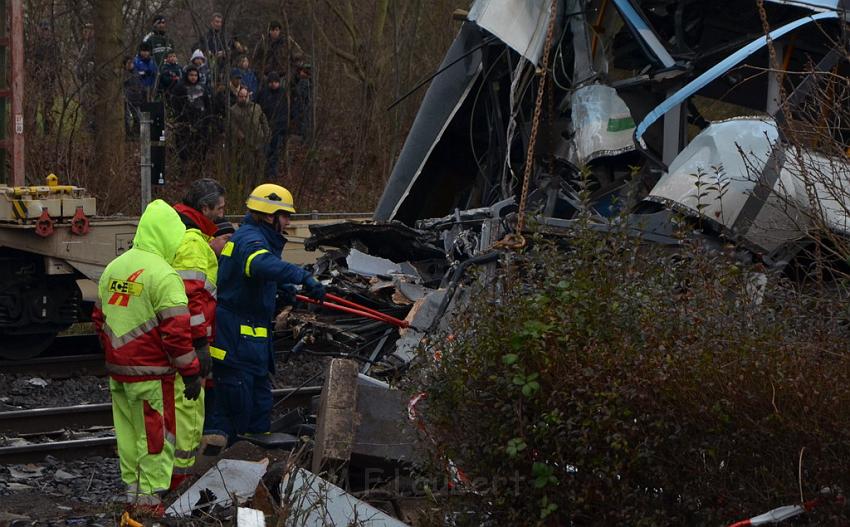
[{"x": 249, "y": 271}]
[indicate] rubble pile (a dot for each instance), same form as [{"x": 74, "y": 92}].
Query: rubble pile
[{"x": 55, "y": 488}]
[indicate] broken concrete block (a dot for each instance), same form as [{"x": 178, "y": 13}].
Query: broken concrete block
[
  {"x": 229, "y": 479},
  {"x": 246, "y": 517},
  {"x": 336, "y": 421},
  {"x": 314, "y": 501}
]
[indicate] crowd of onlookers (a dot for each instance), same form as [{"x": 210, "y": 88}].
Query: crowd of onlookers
[{"x": 249, "y": 96}]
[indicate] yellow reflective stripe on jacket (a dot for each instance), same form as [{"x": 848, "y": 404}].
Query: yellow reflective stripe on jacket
[
  {"x": 253, "y": 332},
  {"x": 217, "y": 353},
  {"x": 227, "y": 250},
  {"x": 251, "y": 259}
]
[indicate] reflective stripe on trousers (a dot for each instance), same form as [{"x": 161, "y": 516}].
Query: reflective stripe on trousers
[
  {"x": 189, "y": 425},
  {"x": 144, "y": 409}
]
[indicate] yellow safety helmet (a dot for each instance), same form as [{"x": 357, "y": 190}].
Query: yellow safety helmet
[{"x": 269, "y": 198}]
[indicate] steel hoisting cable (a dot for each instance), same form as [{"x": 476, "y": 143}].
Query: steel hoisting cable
[{"x": 516, "y": 240}]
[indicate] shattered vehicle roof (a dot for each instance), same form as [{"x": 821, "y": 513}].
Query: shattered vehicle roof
[{"x": 631, "y": 81}]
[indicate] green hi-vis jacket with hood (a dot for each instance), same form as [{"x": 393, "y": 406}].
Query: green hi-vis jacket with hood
[{"x": 141, "y": 313}]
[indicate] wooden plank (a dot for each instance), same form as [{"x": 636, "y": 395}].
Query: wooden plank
[{"x": 337, "y": 420}]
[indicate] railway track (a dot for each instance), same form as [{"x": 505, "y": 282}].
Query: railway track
[
  {"x": 53, "y": 421},
  {"x": 68, "y": 356}
]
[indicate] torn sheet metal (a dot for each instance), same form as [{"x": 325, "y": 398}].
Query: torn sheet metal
[
  {"x": 229, "y": 479},
  {"x": 422, "y": 318},
  {"x": 521, "y": 24},
  {"x": 602, "y": 124},
  {"x": 368, "y": 265},
  {"x": 765, "y": 220},
  {"x": 444, "y": 97},
  {"x": 315, "y": 502},
  {"x": 722, "y": 67}
]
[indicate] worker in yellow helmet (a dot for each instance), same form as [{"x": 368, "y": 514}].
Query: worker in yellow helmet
[{"x": 250, "y": 273}]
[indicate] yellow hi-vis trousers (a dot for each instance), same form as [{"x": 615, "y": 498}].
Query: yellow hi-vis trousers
[
  {"x": 143, "y": 414},
  {"x": 190, "y": 428}
]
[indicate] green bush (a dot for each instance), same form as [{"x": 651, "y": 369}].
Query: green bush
[{"x": 620, "y": 383}]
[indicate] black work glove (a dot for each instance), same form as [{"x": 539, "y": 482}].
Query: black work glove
[
  {"x": 286, "y": 295},
  {"x": 203, "y": 353},
  {"x": 313, "y": 288},
  {"x": 192, "y": 389}
]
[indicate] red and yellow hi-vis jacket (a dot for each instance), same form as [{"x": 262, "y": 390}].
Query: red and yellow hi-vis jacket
[
  {"x": 197, "y": 265},
  {"x": 141, "y": 314}
]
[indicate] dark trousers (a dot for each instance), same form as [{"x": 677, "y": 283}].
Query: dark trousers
[
  {"x": 242, "y": 405},
  {"x": 278, "y": 136}
]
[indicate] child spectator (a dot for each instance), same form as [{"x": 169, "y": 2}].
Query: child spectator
[
  {"x": 199, "y": 61},
  {"x": 170, "y": 74},
  {"x": 192, "y": 116},
  {"x": 249, "y": 79},
  {"x": 145, "y": 67}
]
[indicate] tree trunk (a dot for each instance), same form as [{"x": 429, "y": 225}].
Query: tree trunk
[{"x": 107, "y": 91}]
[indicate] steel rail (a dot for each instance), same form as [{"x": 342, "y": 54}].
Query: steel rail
[
  {"x": 47, "y": 420},
  {"x": 61, "y": 367}
]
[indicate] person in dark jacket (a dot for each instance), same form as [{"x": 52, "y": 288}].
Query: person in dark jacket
[
  {"x": 250, "y": 272},
  {"x": 273, "y": 101},
  {"x": 224, "y": 98},
  {"x": 145, "y": 67},
  {"x": 159, "y": 42},
  {"x": 199, "y": 61},
  {"x": 134, "y": 96},
  {"x": 214, "y": 44},
  {"x": 170, "y": 74},
  {"x": 276, "y": 52},
  {"x": 192, "y": 116},
  {"x": 249, "y": 79}
]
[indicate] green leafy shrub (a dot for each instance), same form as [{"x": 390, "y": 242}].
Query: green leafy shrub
[{"x": 619, "y": 383}]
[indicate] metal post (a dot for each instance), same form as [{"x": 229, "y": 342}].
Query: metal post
[
  {"x": 672, "y": 133},
  {"x": 774, "y": 80},
  {"x": 18, "y": 143},
  {"x": 145, "y": 143}
]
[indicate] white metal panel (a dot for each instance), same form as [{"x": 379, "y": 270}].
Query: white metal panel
[{"x": 521, "y": 24}]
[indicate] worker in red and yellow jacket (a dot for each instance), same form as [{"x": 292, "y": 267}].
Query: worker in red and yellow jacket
[
  {"x": 142, "y": 319},
  {"x": 197, "y": 265}
]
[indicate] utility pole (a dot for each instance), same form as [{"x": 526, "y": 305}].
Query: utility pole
[{"x": 145, "y": 165}]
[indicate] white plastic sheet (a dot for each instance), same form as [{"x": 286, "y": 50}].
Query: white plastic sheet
[{"x": 602, "y": 123}]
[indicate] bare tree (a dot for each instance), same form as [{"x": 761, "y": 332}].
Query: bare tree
[{"x": 109, "y": 106}]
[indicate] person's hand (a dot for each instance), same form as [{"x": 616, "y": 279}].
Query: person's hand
[
  {"x": 286, "y": 294},
  {"x": 203, "y": 353},
  {"x": 192, "y": 387},
  {"x": 313, "y": 288}
]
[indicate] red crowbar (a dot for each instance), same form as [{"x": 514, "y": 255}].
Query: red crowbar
[{"x": 355, "y": 309}]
